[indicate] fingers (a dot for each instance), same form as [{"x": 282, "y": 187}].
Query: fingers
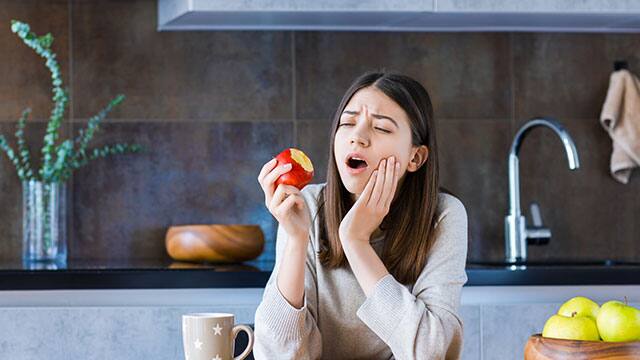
[
  {"x": 268, "y": 181},
  {"x": 377, "y": 189},
  {"x": 391, "y": 185},
  {"x": 266, "y": 168},
  {"x": 280, "y": 211},
  {"x": 282, "y": 193},
  {"x": 368, "y": 189}
]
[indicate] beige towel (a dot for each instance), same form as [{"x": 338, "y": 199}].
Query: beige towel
[{"x": 621, "y": 118}]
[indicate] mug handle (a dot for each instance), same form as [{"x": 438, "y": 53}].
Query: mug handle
[{"x": 236, "y": 329}]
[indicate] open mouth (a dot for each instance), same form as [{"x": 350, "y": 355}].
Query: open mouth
[{"x": 356, "y": 164}]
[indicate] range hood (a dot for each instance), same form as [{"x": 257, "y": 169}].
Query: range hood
[{"x": 616, "y": 16}]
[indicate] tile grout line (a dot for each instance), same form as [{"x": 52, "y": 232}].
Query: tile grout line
[
  {"x": 481, "y": 335},
  {"x": 293, "y": 89},
  {"x": 254, "y": 120},
  {"x": 71, "y": 92},
  {"x": 165, "y": 121},
  {"x": 512, "y": 85},
  {"x": 70, "y": 207}
]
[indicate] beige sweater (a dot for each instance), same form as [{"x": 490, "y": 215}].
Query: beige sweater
[{"x": 337, "y": 320}]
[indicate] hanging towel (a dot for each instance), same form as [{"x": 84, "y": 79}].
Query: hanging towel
[{"x": 620, "y": 117}]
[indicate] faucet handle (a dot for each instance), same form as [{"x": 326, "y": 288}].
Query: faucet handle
[
  {"x": 536, "y": 218},
  {"x": 537, "y": 234}
]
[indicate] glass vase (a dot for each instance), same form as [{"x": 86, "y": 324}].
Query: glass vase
[{"x": 44, "y": 222}]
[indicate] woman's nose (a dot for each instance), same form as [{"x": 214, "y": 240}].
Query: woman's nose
[
  {"x": 360, "y": 132},
  {"x": 358, "y": 138}
]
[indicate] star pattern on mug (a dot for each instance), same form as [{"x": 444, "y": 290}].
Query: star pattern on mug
[
  {"x": 198, "y": 344},
  {"x": 217, "y": 329},
  {"x": 217, "y": 357}
]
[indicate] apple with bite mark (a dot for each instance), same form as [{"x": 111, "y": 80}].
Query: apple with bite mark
[{"x": 301, "y": 171}]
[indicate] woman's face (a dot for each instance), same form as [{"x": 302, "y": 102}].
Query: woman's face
[{"x": 373, "y": 128}]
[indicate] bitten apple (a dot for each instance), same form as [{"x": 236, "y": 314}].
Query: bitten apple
[{"x": 301, "y": 171}]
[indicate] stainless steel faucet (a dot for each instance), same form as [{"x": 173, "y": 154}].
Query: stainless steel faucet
[{"x": 517, "y": 234}]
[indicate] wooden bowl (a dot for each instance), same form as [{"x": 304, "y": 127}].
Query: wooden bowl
[
  {"x": 541, "y": 348},
  {"x": 214, "y": 243}
]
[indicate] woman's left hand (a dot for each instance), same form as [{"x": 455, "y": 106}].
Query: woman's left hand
[{"x": 366, "y": 215}]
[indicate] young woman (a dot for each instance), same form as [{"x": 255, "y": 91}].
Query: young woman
[{"x": 370, "y": 264}]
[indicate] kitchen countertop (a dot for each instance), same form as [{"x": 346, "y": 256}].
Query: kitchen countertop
[{"x": 165, "y": 274}]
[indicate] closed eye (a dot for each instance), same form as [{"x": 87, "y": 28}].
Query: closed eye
[{"x": 377, "y": 128}]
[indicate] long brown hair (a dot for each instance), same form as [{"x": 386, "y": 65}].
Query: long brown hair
[{"x": 409, "y": 227}]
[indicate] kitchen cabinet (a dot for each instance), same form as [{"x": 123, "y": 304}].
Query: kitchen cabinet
[{"x": 398, "y": 15}]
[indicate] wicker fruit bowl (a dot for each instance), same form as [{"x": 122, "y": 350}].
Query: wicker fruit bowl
[
  {"x": 214, "y": 243},
  {"x": 541, "y": 348}
]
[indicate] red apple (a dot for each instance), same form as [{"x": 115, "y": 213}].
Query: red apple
[{"x": 301, "y": 171}]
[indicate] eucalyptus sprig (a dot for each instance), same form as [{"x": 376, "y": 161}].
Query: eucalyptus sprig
[{"x": 59, "y": 158}]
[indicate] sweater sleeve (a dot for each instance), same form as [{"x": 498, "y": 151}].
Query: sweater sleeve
[
  {"x": 423, "y": 323},
  {"x": 281, "y": 330}
]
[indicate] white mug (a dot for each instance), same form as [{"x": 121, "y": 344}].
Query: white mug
[{"x": 211, "y": 336}]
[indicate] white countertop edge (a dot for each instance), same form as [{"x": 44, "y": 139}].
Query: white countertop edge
[
  {"x": 494, "y": 295},
  {"x": 250, "y": 297},
  {"x": 131, "y": 297}
]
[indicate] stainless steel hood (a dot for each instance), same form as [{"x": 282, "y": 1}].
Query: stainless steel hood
[{"x": 397, "y": 15}]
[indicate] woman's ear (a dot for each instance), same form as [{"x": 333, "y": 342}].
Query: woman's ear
[{"x": 420, "y": 156}]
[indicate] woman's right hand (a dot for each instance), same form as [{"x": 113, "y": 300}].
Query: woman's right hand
[{"x": 285, "y": 202}]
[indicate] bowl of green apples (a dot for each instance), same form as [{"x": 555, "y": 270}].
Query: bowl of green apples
[{"x": 583, "y": 329}]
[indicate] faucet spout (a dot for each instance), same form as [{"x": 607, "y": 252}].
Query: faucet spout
[{"x": 515, "y": 225}]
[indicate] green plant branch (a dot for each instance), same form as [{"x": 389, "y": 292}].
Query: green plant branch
[
  {"x": 42, "y": 46},
  {"x": 85, "y": 135},
  {"x": 63, "y": 151},
  {"x": 4, "y": 145},
  {"x": 102, "y": 152},
  {"x": 23, "y": 149}
]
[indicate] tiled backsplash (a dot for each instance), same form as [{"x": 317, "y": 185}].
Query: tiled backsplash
[{"x": 212, "y": 107}]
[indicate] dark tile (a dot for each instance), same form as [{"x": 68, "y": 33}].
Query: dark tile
[
  {"x": 632, "y": 195},
  {"x": 25, "y": 78},
  {"x": 313, "y": 138},
  {"x": 567, "y": 75},
  {"x": 230, "y": 76},
  {"x": 473, "y": 165},
  {"x": 591, "y": 216},
  {"x": 466, "y": 74},
  {"x": 191, "y": 173},
  {"x": 11, "y": 186}
]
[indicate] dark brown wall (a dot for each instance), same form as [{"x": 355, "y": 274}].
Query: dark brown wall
[{"x": 212, "y": 107}]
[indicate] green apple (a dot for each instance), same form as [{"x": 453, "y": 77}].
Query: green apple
[
  {"x": 581, "y": 305},
  {"x": 618, "y": 321},
  {"x": 571, "y": 328}
]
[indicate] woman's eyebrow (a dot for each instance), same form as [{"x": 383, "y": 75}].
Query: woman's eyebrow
[{"x": 377, "y": 116}]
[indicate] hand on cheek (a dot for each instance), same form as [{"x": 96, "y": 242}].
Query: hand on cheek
[{"x": 366, "y": 215}]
